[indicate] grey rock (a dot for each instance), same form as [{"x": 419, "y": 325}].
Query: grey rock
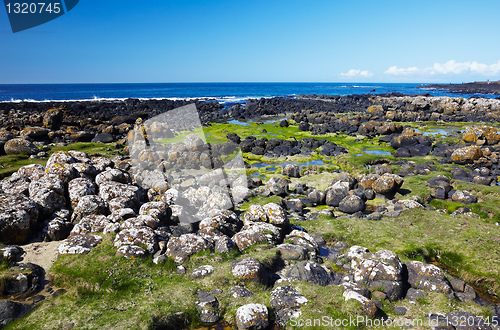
[{"x": 311, "y": 272}]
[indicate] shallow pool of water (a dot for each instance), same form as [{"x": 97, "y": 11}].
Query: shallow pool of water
[
  {"x": 436, "y": 131},
  {"x": 237, "y": 122},
  {"x": 274, "y": 166},
  {"x": 377, "y": 152}
]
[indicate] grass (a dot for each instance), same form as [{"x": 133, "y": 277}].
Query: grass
[
  {"x": 103, "y": 290},
  {"x": 11, "y": 163}
]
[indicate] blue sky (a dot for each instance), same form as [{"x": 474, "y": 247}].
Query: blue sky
[{"x": 258, "y": 41}]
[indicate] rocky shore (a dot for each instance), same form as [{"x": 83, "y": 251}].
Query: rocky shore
[
  {"x": 480, "y": 87},
  {"x": 257, "y": 251}
]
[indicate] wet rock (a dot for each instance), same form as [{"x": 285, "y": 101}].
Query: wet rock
[
  {"x": 79, "y": 244},
  {"x": 252, "y": 317},
  {"x": 311, "y": 272},
  {"x": 182, "y": 247},
  {"x": 427, "y": 277},
  {"x": 18, "y": 216},
  {"x": 249, "y": 269},
  {"x": 131, "y": 252},
  {"x": 466, "y": 155},
  {"x": 19, "y": 146}
]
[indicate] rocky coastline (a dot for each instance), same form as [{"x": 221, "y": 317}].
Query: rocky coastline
[
  {"x": 268, "y": 243},
  {"x": 480, "y": 87}
]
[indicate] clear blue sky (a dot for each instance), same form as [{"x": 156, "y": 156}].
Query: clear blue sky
[{"x": 258, "y": 41}]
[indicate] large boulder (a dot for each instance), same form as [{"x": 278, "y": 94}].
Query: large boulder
[
  {"x": 49, "y": 193},
  {"x": 139, "y": 236},
  {"x": 381, "y": 270},
  {"x": 336, "y": 193},
  {"x": 427, "y": 277},
  {"x": 481, "y": 135},
  {"x": 80, "y": 187},
  {"x": 387, "y": 184},
  {"x": 182, "y": 247},
  {"x": 463, "y": 196},
  {"x": 18, "y": 216},
  {"x": 79, "y": 244},
  {"x": 352, "y": 204},
  {"x": 109, "y": 190},
  {"x": 252, "y": 317},
  {"x": 249, "y": 269},
  {"x": 466, "y": 155},
  {"x": 277, "y": 186},
  {"x": 311, "y": 272},
  {"x": 87, "y": 205},
  {"x": 286, "y": 302},
  {"x": 19, "y": 146}
]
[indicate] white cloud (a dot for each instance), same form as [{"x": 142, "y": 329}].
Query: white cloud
[
  {"x": 448, "y": 68},
  {"x": 357, "y": 73}
]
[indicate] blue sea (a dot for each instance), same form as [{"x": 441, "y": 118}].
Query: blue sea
[{"x": 222, "y": 92}]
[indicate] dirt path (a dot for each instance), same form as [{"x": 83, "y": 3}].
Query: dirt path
[{"x": 43, "y": 254}]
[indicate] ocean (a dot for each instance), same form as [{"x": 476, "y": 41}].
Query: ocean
[{"x": 222, "y": 92}]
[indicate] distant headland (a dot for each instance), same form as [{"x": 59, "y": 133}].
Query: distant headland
[{"x": 477, "y": 87}]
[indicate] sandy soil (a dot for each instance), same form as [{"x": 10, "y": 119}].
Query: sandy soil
[{"x": 43, "y": 254}]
